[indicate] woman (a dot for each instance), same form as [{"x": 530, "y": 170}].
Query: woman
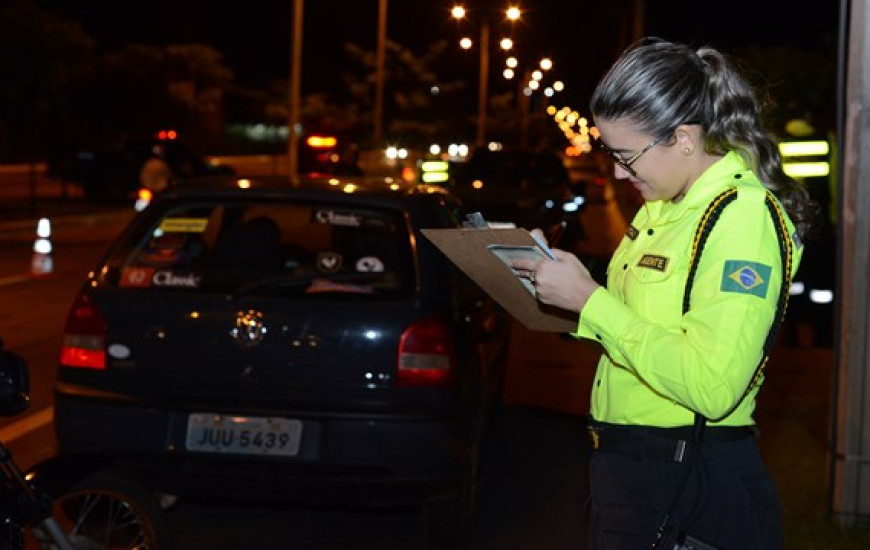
[{"x": 674, "y": 392}]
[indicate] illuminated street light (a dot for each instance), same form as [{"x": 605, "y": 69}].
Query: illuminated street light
[
  {"x": 508, "y": 73},
  {"x": 533, "y": 82},
  {"x": 511, "y": 62},
  {"x": 506, "y": 44},
  {"x": 458, "y": 12}
]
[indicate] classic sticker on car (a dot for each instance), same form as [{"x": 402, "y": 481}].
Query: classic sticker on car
[
  {"x": 215, "y": 433},
  {"x": 173, "y": 279}
]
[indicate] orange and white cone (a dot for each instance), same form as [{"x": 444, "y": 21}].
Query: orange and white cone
[{"x": 42, "y": 262}]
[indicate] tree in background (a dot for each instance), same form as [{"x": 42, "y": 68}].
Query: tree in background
[
  {"x": 58, "y": 94},
  {"x": 421, "y": 103},
  {"x": 801, "y": 83},
  {"x": 41, "y": 56}
]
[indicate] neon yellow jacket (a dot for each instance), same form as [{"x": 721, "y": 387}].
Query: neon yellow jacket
[{"x": 660, "y": 367}]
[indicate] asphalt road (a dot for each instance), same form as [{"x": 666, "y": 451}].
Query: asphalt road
[{"x": 531, "y": 496}]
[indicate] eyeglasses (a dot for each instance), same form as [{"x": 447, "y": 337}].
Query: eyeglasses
[{"x": 626, "y": 163}]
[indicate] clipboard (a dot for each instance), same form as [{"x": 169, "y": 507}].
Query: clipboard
[{"x": 471, "y": 249}]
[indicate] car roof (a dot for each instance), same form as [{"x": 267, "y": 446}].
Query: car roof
[{"x": 352, "y": 189}]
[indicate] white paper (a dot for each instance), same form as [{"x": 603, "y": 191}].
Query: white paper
[{"x": 508, "y": 254}]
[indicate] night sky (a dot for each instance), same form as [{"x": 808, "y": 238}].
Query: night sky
[{"x": 255, "y": 36}]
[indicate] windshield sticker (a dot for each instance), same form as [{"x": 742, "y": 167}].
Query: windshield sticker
[
  {"x": 369, "y": 264},
  {"x": 136, "y": 277},
  {"x": 325, "y": 285},
  {"x": 329, "y": 262},
  {"x": 354, "y": 219},
  {"x": 184, "y": 225},
  {"x": 173, "y": 279},
  {"x": 331, "y": 217}
]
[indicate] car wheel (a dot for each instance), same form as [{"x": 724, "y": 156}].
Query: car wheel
[{"x": 110, "y": 510}]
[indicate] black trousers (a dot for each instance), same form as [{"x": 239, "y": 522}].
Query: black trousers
[{"x": 729, "y": 500}]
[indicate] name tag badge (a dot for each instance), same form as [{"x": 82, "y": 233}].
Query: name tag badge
[{"x": 651, "y": 261}]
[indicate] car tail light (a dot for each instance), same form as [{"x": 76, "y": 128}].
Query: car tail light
[
  {"x": 84, "y": 338},
  {"x": 426, "y": 355}
]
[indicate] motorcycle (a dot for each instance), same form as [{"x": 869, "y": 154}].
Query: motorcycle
[{"x": 69, "y": 502}]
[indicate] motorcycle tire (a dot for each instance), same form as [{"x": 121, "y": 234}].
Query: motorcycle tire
[{"x": 107, "y": 510}]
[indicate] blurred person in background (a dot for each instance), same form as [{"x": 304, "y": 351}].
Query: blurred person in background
[{"x": 155, "y": 173}]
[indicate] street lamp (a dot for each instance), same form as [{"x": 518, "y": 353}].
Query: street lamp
[{"x": 512, "y": 14}]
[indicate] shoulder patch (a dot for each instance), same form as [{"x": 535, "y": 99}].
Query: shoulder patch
[
  {"x": 659, "y": 263},
  {"x": 631, "y": 232},
  {"x": 745, "y": 277}
]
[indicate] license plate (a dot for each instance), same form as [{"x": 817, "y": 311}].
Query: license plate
[{"x": 215, "y": 433}]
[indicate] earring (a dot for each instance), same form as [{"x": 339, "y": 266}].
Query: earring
[{"x": 687, "y": 151}]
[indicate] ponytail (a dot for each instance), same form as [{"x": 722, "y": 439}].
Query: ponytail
[{"x": 660, "y": 85}]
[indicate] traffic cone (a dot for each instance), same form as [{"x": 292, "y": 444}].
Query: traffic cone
[{"x": 42, "y": 262}]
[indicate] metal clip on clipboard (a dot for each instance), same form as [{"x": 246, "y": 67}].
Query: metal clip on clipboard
[{"x": 475, "y": 220}]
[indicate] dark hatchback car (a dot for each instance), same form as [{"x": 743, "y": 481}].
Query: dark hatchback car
[{"x": 253, "y": 340}]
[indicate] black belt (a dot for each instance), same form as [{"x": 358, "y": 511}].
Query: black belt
[{"x": 667, "y": 444}]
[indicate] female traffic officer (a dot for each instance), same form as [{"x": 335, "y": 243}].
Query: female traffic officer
[{"x": 674, "y": 392}]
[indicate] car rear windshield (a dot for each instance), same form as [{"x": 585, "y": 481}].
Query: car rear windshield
[{"x": 268, "y": 248}]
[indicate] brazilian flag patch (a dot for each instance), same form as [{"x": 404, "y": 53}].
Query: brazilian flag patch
[{"x": 745, "y": 277}]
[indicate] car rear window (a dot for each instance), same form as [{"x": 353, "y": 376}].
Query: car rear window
[{"x": 268, "y": 248}]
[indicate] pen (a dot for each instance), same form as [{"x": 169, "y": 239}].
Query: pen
[{"x": 557, "y": 233}]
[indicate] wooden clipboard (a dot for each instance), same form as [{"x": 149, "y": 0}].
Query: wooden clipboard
[{"x": 469, "y": 249}]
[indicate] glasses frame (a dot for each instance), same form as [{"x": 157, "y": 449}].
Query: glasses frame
[{"x": 626, "y": 163}]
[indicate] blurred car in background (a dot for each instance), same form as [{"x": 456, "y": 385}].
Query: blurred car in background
[
  {"x": 529, "y": 188},
  {"x": 115, "y": 173},
  {"x": 324, "y": 154},
  {"x": 589, "y": 174},
  {"x": 246, "y": 339}
]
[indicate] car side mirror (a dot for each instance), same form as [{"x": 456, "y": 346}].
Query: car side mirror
[{"x": 14, "y": 384}]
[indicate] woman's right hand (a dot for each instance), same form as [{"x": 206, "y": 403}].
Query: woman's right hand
[{"x": 564, "y": 282}]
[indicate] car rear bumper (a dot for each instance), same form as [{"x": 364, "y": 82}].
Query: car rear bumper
[{"x": 347, "y": 458}]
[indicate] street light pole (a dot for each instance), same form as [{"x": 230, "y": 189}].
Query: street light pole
[
  {"x": 483, "y": 84},
  {"x": 458, "y": 12},
  {"x": 295, "y": 92},
  {"x": 525, "y": 102},
  {"x": 379, "y": 75}
]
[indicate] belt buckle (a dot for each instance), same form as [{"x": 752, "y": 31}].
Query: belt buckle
[{"x": 594, "y": 437}]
